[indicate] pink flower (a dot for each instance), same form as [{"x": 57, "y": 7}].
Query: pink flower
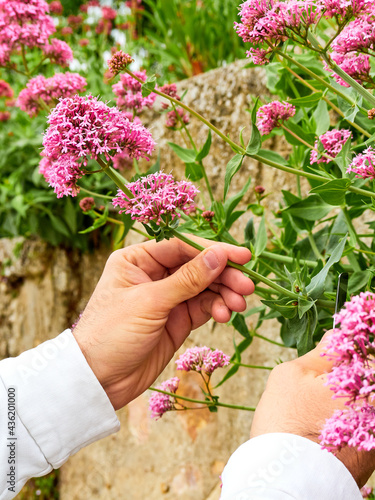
[
  {"x": 6, "y": 90},
  {"x": 121, "y": 161},
  {"x": 270, "y": 115},
  {"x": 49, "y": 90},
  {"x": 357, "y": 36},
  {"x": 66, "y": 31},
  {"x": 171, "y": 90},
  {"x": 84, "y": 42},
  {"x": 270, "y": 21},
  {"x": 160, "y": 403},
  {"x": 75, "y": 21},
  {"x": 173, "y": 121},
  {"x": 58, "y": 52},
  {"x": 85, "y": 127},
  {"x": 62, "y": 174},
  {"x": 4, "y": 116},
  {"x": 56, "y": 7},
  {"x": 345, "y": 8},
  {"x": 24, "y": 22},
  {"x": 128, "y": 91},
  {"x": 157, "y": 197},
  {"x": 364, "y": 164},
  {"x": 87, "y": 204},
  {"x": 259, "y": 55},
  {"x": 366, "y": 491},
  {"x": 109, "y": 13},
  {"x": 119, "y": 61},
  {"x": 332, "y": 141},
  {"x": 351, "y": 347},
  {"x": 356, "y": 65},
  {"x": 202, "y": 359}
]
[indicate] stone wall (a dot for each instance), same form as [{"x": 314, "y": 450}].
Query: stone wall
[{"x": 182, "y": 455}]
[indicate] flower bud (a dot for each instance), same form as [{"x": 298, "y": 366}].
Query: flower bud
[
  {"x": 119, "y": 61},
  {"x": 87, "y": 204}
]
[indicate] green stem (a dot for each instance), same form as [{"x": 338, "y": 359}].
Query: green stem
[
  {"x": 305, "y": 143},
  {"x": 199, "y": 401},
  {"x": 315, "y": 76},
  {"x": 105, "y": 197},
  {"x": 244, "y": 269},
  {"x": 269, "y": 340},
  {"x": 112, "y": 175},
  {"x": 285, "y": 259},
  {"x": 330, "y": 103},
  {"x": 232, "y": 144},
  {"x": 352, "y": 231},
  {"x": 315, "y": 249},
  {"x": 141, "y": 233},
  {"x": 136, "y": 167},
  {"x": 24, "y": 60},
  {"x": 254, "y": 366}
]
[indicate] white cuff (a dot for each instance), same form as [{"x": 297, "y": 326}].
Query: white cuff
[
  {"x": 58, "y": 398},
  {"x": 286, "y": 466}
]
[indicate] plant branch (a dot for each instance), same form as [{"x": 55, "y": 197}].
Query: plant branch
[{"x": 199, "y": 401}]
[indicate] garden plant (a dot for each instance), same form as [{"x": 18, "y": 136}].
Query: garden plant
[{"x": 318, "y": 60}]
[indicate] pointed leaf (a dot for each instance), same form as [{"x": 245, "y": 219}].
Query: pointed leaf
[
  {"x": 186, "y": 155},
  {"x": 233, "y": 166},
  {"x": 206, "y": 148},
  {"x": 333, "y": 192},
  {"x": 261, "y": 238}
]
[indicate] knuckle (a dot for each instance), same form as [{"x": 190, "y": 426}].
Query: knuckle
[{"x": 189, "y": 278}]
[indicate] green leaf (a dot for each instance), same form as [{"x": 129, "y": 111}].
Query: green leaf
[
  {"x": 305, "y": 341},
  {"x": 70, "y": 215},
  {"x": 193, "y": 171},
  {"x": 249, "y": 231},
  {"x": 358, "y": 280},
  {"x": 344, "y": 157},
  {"x": 311, "y": 208},
  {"x": 256, "y": 208},
  {"x": 231, "y": 203},
  {"x": 285, "y": 306},
  {"x": 59, "y": 225},
  {"x": 321, "y": 117},
  {"x": 233, "y": 166},
  {"x": 307, "y": 101},
  {"x": 205, "y": 149},
  {"x": 261, "y": 238},
  {"x": 232, "y": 370},
  {"x": 186, "y": 155},
  {"x": 239, "y": 323},
  {"x": 148, "y": 86},
  {"x": 299, "y": 131},
  {"x": 316, "y": 287},
  {"x": 304, "y": 305},
  {"x": 272, "y": 155},
  {"x": 333, "y": 192}
]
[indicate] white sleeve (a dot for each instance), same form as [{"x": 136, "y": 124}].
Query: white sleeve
[
  {"x": 286, "y": 467},
  {"x": 59, "y": 407}
]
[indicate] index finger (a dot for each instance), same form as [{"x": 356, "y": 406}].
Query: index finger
[{"x": 174, "y": 252}]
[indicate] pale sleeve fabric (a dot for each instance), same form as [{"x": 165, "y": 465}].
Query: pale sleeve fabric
[
  {"x": 286, "y": 467},
  {"x": 60, "y": 408}
]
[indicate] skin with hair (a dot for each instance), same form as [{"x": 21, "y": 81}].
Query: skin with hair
[
  {"x": 148, "y": 300},
  {"x": 297, "y": 401}
]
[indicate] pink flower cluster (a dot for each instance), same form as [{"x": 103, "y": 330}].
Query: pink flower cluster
[
  {"x": 332, "y": 141},
  {"x": 357, "y": 66},
  {"x": 119, "y": 61},
  {"x": 353, "y": 376},
  {"x": 58, "y": 52},
  {"x": 345, "y": 8},
  {"x": 202, "y": 359},
  {"x": 363, "y": 165},
  {"x": 82, "y": 127},
  {"x": 274, "y": 21},
  {"x": 366, "y": 491},
  {"x": 157, "y": 197},
  {"x": 273, "y": 114},
  {"x": 23, "y": 22},
  {"x": 6, "y": 90},
  {"x": 128, "y": 91},
  {"x": 357, "y": 36},
  {"x": 160, "y": 403},
  {"x": 174, "y": 118},
  {"x": 49, "y": 90}
]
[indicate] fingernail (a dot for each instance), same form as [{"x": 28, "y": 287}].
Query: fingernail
[{"x": 211, "y": 260}]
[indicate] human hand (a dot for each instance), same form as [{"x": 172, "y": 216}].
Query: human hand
[
  {"x": 149, "y": 298},
  {"x": 296, "y": 401}
]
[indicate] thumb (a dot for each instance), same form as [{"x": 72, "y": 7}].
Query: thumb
[
  {"x": 193, "y": 277},
  {"x": 318, "y": 360}
]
